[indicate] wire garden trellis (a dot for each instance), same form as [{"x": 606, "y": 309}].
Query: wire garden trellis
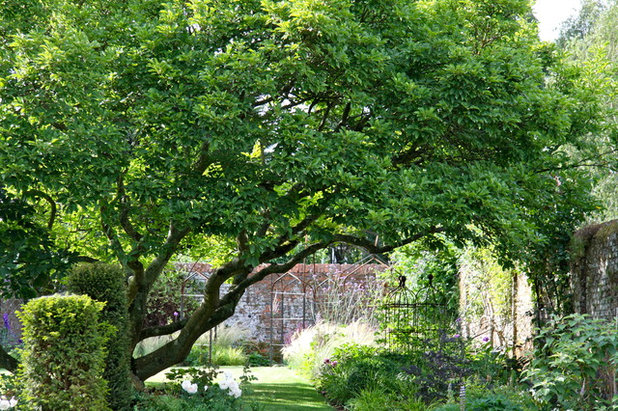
[
  {"x": 316, "y": 292},
  {"x": 414, "y": 319}
]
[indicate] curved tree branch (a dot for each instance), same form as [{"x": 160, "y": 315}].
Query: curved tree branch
[
  {"x": 123, "y": 217},
  {"x": 375, "y": 249},
  {"x": 162, "y": 330},
  {"x": 50, "y": 200}
]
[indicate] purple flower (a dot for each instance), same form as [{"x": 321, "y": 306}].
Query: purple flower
[
  {"x": 458, "y": 320},
  {"x": 456, "y": 336},
  {"x": 327, "y": 361},
  {"x": 7, "y": 323},
  {"x": 485, "y": 339}
]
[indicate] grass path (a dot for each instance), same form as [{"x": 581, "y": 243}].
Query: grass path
[{"x": 276, "y": 389}]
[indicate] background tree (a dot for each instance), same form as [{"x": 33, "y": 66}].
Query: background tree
[
  {"x": 281, "y": 128},
  {"x": 590, "y": 40}
]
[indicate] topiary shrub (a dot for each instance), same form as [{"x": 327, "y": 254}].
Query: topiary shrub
[
  {"x": 64, "y": 354},
  {"x": 106, "y": 283}
]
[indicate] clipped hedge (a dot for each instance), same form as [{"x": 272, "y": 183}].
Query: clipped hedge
[
  {"x": 64, "y": 353},
  {"x": 106, "y": 283}
]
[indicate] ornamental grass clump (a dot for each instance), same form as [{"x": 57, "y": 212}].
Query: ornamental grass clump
[
  {"x": 64, "y": 354},
  {"x": 311, "y": 346},
  {"x": 227, "y": 349}
]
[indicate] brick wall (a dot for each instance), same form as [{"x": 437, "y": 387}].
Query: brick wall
[
  {"x": 594, "y": 270},
  {"x": 273, "y": 309}
]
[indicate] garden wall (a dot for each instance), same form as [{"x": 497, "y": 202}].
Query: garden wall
[
  {"x": 275, "y": 308},
  {"x": 594, "y": 270}
]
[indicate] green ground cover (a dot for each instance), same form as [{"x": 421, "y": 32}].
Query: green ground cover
[{"x": 276, "y": 388}]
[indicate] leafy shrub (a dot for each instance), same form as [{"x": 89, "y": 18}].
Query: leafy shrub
[
  {"x": 377, "y": 399},
  {"x": 9, "y": 385},
  {"x": 258, "y": 360},
  {"x": 105, "y": 283},
  {"x": 218, "y": 401},
  {"x": 493, "y": 402},
  {"x": 354, "y": 369},
  {"x": 503, "y": 398},
  {"x": 406, "y": 378},
  {"x": 510, "y": 397},
  {"x": 574, "y": 364},
  {"x": 64, "y": 356}
]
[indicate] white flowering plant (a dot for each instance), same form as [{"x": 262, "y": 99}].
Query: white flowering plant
[
  {"x": 7, "y": 403},
  {"x": 230, "y": 385},
  {"x": 210, "y": 386},
  {"x": 193, "y": 380}
]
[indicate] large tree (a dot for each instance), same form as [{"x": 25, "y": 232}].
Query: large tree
[{"x": 282, "y": 128}]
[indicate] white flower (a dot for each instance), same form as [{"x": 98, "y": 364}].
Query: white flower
[
  {"x": 6, "y": 404},
  {"x": 188, "y": 387},
  {"x": 230, "y": 384},
  {"x": 236, "y": 393}
]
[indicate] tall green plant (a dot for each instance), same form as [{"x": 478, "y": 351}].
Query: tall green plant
[
  {"x": 575, "y": 363},
  {"x": 106, "y": 283},
  {"x": 64, "y": 354}
]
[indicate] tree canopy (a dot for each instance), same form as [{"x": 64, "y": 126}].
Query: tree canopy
[{"x": 275, "y": 129}]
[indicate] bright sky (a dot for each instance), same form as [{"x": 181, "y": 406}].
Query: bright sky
[{"x": 551, "y": 13}]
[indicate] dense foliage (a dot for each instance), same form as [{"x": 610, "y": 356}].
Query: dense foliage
[
  {"x": 280, "y": 128},
  {"x": 64, "y": 353},
  {"x": 28, "y": 255},
  {"x": 356, "y": 376},
  {"x": 575, "y": 363},
  {"x": 106, "y": 283}
]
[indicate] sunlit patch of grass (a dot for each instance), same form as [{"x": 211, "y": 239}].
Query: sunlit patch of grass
[{"x": 276, "y": 389}]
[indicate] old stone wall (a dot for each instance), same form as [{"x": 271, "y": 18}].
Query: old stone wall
[
  {"x": 273, "y": 309},
  {"x": 594, "y": 270}
]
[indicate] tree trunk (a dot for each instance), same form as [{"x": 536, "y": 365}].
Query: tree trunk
[
  {"x": 6, "y": 361},
  {"x": 211, "y": 313}
]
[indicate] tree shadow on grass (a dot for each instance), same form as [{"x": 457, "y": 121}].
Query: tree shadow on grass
[{"x": 288, "y": 397}]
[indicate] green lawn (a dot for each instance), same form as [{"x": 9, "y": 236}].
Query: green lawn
[{"x": 276, "y": 389}]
